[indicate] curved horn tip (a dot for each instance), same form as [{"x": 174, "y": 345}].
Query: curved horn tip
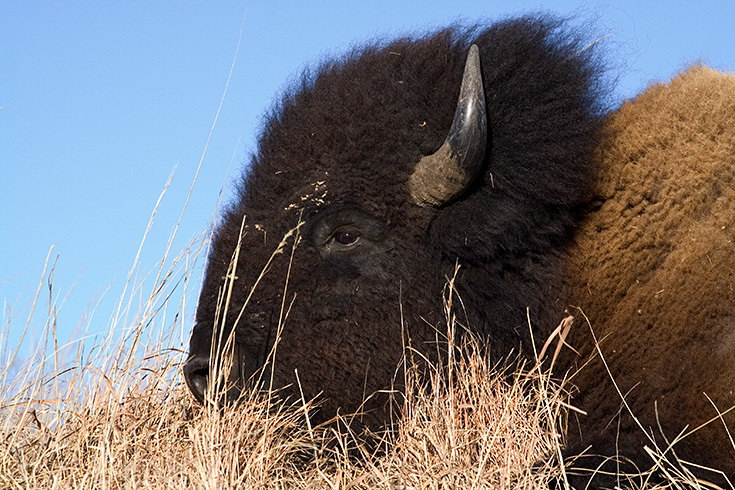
[{"x": 445, "y": 175}]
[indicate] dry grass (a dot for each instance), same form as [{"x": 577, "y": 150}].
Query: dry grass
[
  {"x": 141, "y": 431},
  {"x": 121, "y": 417}
]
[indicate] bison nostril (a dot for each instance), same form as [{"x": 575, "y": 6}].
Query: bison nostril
[{"x": 196, "y": 373}]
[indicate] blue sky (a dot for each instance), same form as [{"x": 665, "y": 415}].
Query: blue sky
[{"x": 101, "y": 100}]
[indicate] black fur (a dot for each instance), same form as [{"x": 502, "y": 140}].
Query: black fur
[{"x": 337, "y": 152}]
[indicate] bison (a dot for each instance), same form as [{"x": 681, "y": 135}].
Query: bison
[{"x": 373, "y": 183}]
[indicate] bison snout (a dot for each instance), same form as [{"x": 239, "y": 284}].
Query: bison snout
[
  {"x": 219, "y": 382},
  {"x": 196, "y": 374}
]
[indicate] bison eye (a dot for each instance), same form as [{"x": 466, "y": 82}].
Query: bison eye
[{"x": 346, "y": 238}]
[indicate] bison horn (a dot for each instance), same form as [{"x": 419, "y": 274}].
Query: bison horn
[{"x": 445, "y": 175}]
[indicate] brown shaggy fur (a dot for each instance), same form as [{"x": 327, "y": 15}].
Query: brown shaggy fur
[{"x": 653, "y": 268}]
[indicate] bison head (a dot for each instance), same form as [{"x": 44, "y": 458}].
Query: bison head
[{"x": 370, "y": 185}]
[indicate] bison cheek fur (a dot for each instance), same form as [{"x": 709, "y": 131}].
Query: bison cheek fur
[
  {"x": 336, "y": 295},
  {"x": 329, "y": 345}
]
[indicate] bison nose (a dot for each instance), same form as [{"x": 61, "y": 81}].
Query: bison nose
[{"x": 196, "y": 374}]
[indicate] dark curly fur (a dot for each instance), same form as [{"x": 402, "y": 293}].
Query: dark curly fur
[
  {"x": 339, "y": 149},
  {"x": 337, "y": 154}
]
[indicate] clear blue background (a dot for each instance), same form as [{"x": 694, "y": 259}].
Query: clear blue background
[{"x": 100, "y": 100}]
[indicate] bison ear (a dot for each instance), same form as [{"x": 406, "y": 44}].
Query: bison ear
[{"x": 445, "y": 175}]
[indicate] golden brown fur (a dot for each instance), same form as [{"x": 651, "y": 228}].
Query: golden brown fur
[{"x": 653, "y": 268}]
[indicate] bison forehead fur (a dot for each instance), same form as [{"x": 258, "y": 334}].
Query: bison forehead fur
[{"x": 366, "y": 265}]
